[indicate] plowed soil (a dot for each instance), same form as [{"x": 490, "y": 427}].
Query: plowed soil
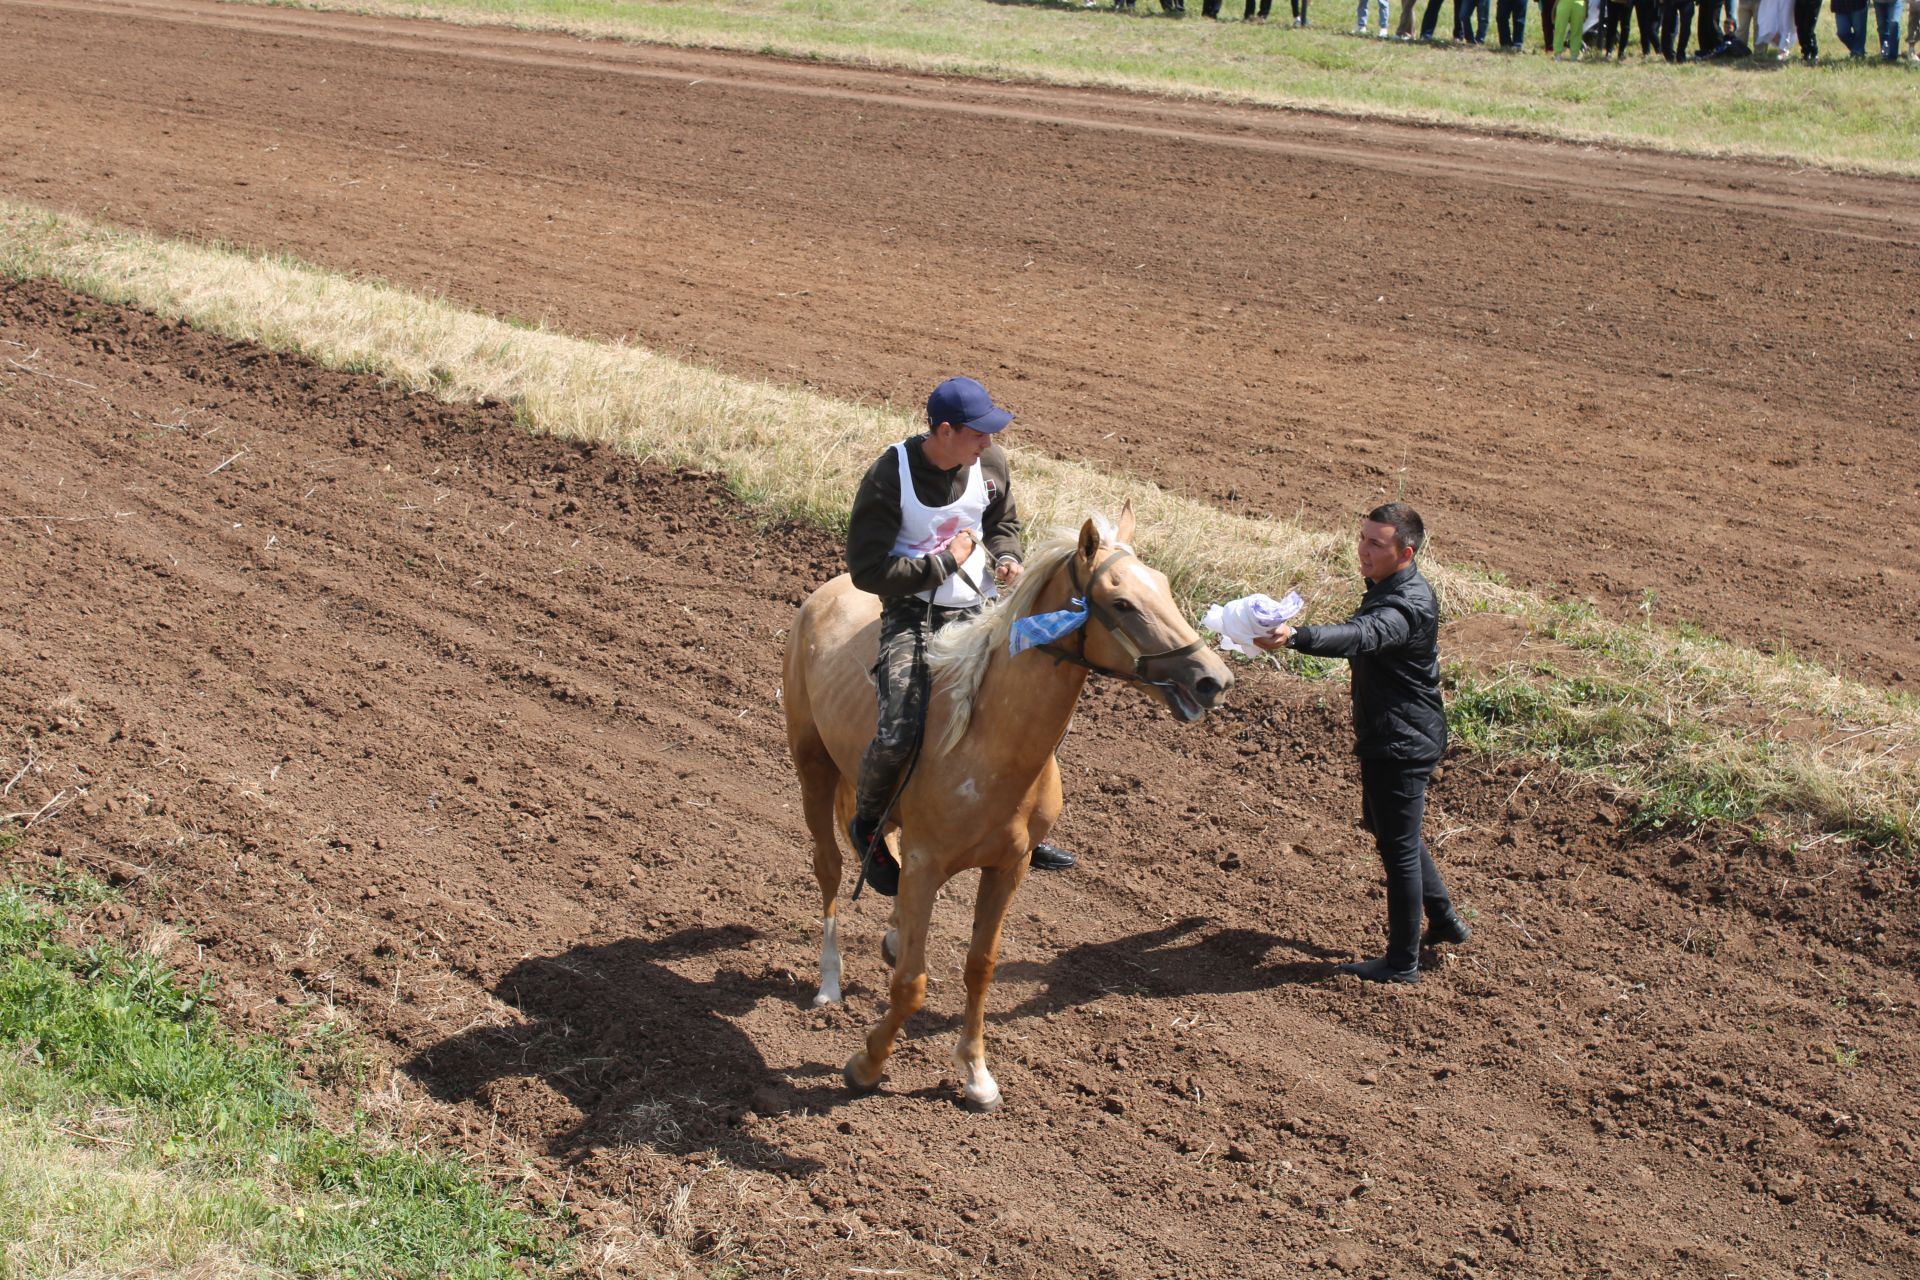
[
  {"x": 474, "y": 738},
  {"x": 1651, "y": 381}
]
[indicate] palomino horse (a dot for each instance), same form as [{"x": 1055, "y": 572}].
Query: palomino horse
[{"x": 986, "y": 788}]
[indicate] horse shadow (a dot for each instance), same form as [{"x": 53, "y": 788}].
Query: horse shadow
[
  {"x": 1185, "y": 958},
  {"x": 642, "y": 1055}
]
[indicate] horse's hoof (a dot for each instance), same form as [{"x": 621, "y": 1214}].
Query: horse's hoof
[
  {"x": 982, "y": 1102},
  {"x": 890, "y": 948},
  {"x": 822, "y": 1000},
  {"x": 851, "y": 1075}
]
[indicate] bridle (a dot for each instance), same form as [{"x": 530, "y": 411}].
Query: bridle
[{"x": 1115, "y": 628}]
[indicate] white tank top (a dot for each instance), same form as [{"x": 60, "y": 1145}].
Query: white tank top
[{"x": 924, "y": 530}]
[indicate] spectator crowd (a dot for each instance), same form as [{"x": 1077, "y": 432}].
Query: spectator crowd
[{"x": 1676, "y": 30}]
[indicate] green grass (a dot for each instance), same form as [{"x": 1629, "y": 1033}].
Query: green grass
[
  {"x": 136, "y": 1136},
  {"x": 1863, "y": 116}
]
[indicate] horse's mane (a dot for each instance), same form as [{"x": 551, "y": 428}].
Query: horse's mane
[{"x": 957, "y": 656}]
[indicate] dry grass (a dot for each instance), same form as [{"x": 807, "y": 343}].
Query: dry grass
[{"x": 1775, "y": 730}]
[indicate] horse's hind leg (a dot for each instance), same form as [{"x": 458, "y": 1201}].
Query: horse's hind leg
[
  {"x": 997, "y": 884},
  {"x": 819, "y": 782},
  {"x": 913, "y": 909}
]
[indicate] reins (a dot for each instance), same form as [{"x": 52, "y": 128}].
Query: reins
[
  {"x": 1107, "y": 619},
  {"x": 1116, "y": 629}
]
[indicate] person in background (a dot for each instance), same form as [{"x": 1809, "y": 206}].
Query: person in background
[
  {"x": 1510, "y": 23},
  {"x": 1850, "y": 24},
  {"x": 1647, "y": 14},
  {"x": 1709, "y": 35},
  {"x": 1546, "y": 23},
  {"x": 1569, "y": 21},
  {"x": 1392, "y": 643},
  {"x": 1616, "y": 25},
  {"x": 1360, "y": 19},
  {"x": 1257, "y": 10},
  {"x": 1774, "y": 32},
  {"x": 1300, "y": 12},
  {"x": 1886, "y": 19},
  {"x": 1465, "y": 12},
  {"x": 1676, "y": 27},
  {"x": 1431, "y": 19},
  {"x": 1806, "y": 16}
]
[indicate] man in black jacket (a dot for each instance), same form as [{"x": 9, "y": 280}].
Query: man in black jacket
[{"x": 1399, "y": 726}]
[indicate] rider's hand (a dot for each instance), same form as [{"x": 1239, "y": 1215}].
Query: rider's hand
[
  {"x": 961, "y": 546},
  {"x": 1007, "y": 572}
]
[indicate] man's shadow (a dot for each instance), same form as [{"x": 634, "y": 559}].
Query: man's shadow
[
  {"x": 643, "y": 1055},
  {"x": 1184, "y": 958}
]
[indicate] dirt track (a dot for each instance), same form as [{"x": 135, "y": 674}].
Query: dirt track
[
  {"x": 1613, "y": 373},
  {"x": 477, "y": 737}
]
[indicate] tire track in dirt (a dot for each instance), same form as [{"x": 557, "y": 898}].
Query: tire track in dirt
[{"x": 1626, "y": 377}]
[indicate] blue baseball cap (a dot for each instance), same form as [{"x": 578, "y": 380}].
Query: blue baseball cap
[{"x": 965, "y": 403}]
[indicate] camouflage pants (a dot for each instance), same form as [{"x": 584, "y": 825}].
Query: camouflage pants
[{"x": 899, "y": 678}]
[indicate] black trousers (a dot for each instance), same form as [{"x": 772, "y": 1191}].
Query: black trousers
[
  {"x": 1647, "y": 14},
  {"x": 1546, "y": 22},
  {"x": 1676, "y": 25},
  {"x": 1806, "y": 15},
  {"x": 1510, "y": 21},
  {"x": 1709, "y": 37},
  {"x": 1394, "y": 807},
  {"x": 1430, "y": 19},
  {"x": 1616, "y": 23},
  {"x": 1264, "y": 6}
]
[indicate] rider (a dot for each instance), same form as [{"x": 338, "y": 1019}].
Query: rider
[{"x": 915, "y": 540}]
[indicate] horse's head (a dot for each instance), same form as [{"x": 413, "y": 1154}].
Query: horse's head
[{"x": 1136, "y": 629}]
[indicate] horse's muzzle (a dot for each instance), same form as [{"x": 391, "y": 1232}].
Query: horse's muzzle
[{"x": 1190, "y": 684}]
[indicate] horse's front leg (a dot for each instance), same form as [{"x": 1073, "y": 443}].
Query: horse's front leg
[
  {"x": 997, "y": 884},
  {"x": 913, "y": 909}
]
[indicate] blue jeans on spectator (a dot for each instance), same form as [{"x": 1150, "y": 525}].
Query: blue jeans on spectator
[
  {"x": 1510, "y": 20},
  {"x": 1360, "y": 19},
  {"x": 1464, "y": 12},
  {"x": 1886, "y": 16},
  {"x": 1852, "y": 30}
]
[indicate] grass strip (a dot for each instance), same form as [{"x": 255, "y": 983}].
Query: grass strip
[
  {"x": 137, "y": 1137},
  {"x": 1862, "y": 116},
  {"x": 1685, "y": 715}
]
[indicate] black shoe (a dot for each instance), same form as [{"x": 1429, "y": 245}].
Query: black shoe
[
  {"x": 1378, "y": 970},
  {"x": 1051, "y": 857},
  {"x": 883, "y": 873},
  {"x": 1450, "y": 929}
]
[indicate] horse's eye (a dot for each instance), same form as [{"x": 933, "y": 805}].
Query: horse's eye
[{"x": 1123, "y": 605}]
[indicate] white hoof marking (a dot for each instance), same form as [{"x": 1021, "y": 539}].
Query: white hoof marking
[{"x": 829, "y": 963}]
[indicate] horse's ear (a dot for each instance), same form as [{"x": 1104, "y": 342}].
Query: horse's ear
[
  {"x": 1123, "y": 532},
  {"x": 1089, "y": 540}
]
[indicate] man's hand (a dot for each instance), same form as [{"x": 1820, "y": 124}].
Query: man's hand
[
  {"x": 961, "y": 546},
  {"x": 1007, "y": 572},
  {"x": 1274, "y": 639}
]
